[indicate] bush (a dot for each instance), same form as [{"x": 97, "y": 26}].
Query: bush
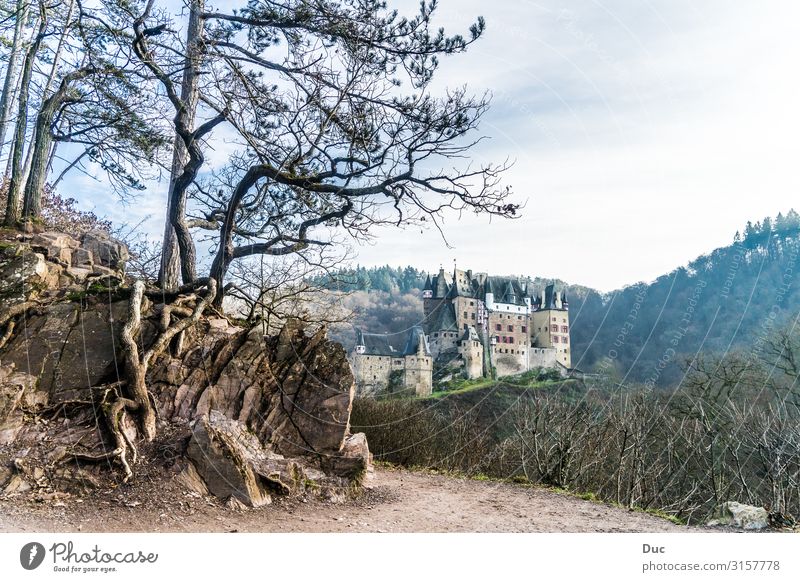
[{"x": 61, "y": 214}]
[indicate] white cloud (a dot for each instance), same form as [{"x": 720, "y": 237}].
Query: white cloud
[{"x": 645, "y": 134}]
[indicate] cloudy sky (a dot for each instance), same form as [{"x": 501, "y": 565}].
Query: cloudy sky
[{"x": 643, "y": 133}]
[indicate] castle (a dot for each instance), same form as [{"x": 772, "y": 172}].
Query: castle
[
  {"x": 380, "y": 369},
  {"x": 477, "y": 326}
]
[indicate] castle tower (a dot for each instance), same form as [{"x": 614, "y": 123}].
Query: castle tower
[{"x": 550, "y": 326}]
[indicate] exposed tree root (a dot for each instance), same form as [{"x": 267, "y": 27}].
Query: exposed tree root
[
  {"x": 136, "y": 365},
  {"x": 7, "y": 335},
  {"x": 115, "y": 417},
  {"x": 8, "y": 318}
]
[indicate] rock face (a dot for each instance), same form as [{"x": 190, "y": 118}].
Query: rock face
[
  {"x": 278, "y": 408},
  {"x": 739, "y": 515},
  {"x": 47, "y": 263},
  {"x": 262, "y": 415},
  {"x": 231, "y": 462}
]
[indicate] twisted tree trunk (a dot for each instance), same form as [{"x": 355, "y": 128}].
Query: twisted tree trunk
[
  {"x": 170, "y": 271},
  {"x": 42, "y": 141}
]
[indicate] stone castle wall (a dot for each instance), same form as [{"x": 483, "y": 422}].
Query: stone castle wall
[
  {"x": 373, "y": 374},
  {"x": 471, "y": 353},
  {"x": 418, "y": 375},
  {"x": 542, "y": 358}
]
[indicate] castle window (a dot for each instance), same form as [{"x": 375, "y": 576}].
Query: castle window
[
  {"x": 564, "y": 319},
  {"x": 497, "y": 338},
  {"x": 555, "y": 319},
  {"x": 466, "y": 326},
  {"x": 524, "y": 329},
  {"x": 498, "y": 326},
  {"x": 471, "y": 303},
  {"x": 510, "y": 328},
  {"x": 555, "y": 339},
  {"x": 473, "y": 316},
  {"x": 564, "y": 329},
  {"x": 465, "y": 315},
  {"x": 519, "y": 317},
  {"x": 565, "y": 340}
]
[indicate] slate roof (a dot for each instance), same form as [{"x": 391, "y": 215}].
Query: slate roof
[
  {"x": 376, "y": 344},
  {"x": 412, "y": 344},
  {"x": 505, "y": 290},
  {"x": 443, "y": 318}
]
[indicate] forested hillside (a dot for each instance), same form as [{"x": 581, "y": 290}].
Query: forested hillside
[{"x": 732, "y": 298}]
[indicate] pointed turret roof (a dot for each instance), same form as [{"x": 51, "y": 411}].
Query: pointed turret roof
[
  {"x": 417, "y": 342},
  {"x": 508, "y": 295},
  {"x": 549, "y": 297}
]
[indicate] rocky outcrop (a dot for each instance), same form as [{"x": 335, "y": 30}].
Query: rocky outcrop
[
  {"x": 739, "y": 515},
  {"x": 54, "y": 263},
  {"x": 229, "y": 461},
  {"x": 260, "y": 415}
]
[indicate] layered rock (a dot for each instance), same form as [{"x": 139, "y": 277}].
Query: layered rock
[{"x": 47, "y": 263}]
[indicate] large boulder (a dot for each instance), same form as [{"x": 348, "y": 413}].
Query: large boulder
[
  {"x": 739, "y": 515},
  {"x": 227, "y": 460},
  {"x": 56, "y": 246},
  {"x": 24, "y": 274},
  {"x": 223, "y": 455},
  {"x": 104, "y": 250},
  {"x": 293, "y": 390},
  {"x": 309, "y": 389},
  {"x": 69, "y": 347}
]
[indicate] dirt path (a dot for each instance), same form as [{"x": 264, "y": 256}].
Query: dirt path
[{"x": 400, "y": 501}]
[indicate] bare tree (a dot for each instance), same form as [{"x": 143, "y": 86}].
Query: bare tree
[
  {"x": 327, "y": 138},
  {"x": 272, "y": 291}
]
